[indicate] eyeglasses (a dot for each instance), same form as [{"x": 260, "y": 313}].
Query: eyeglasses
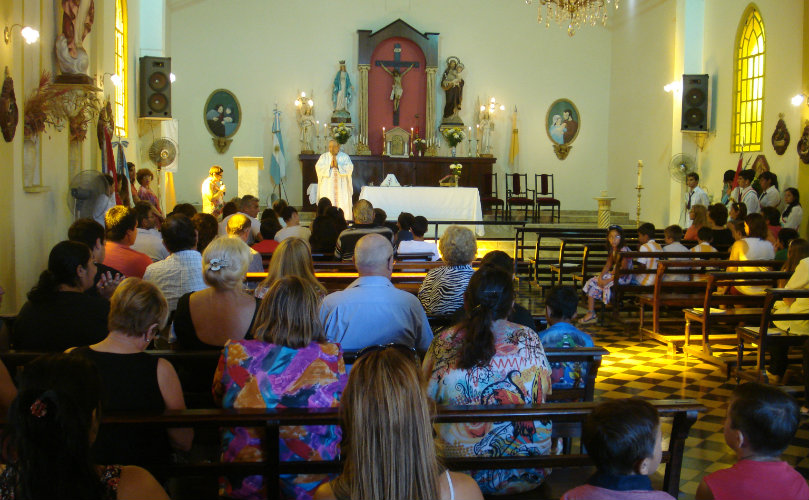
[{"x": 404, "y": 349}]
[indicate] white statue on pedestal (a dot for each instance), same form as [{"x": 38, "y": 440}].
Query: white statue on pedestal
[
  {"x": 306, "y": 122},
  {"x": 486, "y": 125}
]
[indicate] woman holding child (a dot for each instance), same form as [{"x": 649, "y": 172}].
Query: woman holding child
[
  {"x": 488, "y": 360},
  {"x": 599, "y": 287}
]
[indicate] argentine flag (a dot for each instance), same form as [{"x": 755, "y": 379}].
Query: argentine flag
[{"x": 278, "y": 162}]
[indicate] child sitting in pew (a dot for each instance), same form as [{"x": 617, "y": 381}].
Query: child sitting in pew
[
  {"x": 560, "y": 309},
  {"x": 760, "y": 423},
  {"x": 623, "y": 438},
  {"x": 646, "y": 238},
  {"x": 704, "y": 240},
  {"x": 672, "y": 236}
]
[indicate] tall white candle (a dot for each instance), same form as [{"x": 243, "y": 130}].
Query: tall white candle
[{"x": 640, "y": 168}]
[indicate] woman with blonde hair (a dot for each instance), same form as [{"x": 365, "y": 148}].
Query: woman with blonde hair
[
  {"x": 135, "y": 381},
  {"x": 208, "y": 318},
  {"x": 388, "y": 443},
  {"x": 443, "y": 287},
  {"x": 699, "y": 217},
  {"x": 289, "y": 364},
  {"x": 293, "y": 257}
]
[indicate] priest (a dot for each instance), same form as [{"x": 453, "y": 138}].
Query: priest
[{"x": 334, "y": 178}]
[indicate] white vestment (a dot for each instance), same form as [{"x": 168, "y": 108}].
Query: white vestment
[{"x": 335, "y": 184}]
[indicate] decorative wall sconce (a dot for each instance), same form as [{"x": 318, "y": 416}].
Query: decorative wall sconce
[{"x": 29, "y": 34}]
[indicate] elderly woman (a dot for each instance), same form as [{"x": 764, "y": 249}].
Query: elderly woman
[
  {"x": 443, "y": 287},
  {"x": 289, "y": 364},
  {"x": 487, "y": 360},
  {"x": 208, "y": 318},
  {"x": 135, "y": 381},
  {"x": 293, "y": 257}
]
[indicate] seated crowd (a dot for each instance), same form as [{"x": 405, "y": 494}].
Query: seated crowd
[{"x": 104, "y": 298}]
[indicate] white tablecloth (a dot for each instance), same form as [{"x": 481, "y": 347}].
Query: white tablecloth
[{"x": 434, "y": 203}]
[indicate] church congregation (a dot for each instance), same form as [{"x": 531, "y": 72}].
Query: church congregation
[{"x": 321, "y": 257}]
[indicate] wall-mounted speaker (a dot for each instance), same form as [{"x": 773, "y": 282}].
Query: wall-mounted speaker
[
  {"x": 695, "y": 103},
  {"x": 155, "y": 87}
]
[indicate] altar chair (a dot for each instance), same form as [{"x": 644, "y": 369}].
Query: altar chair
[
  {"x": 518, "y": 194},
  {"x": 488, "y": 194},
  {"x": 545, "y": 196}
]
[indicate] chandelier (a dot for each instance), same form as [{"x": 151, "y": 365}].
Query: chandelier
[{"x": 574, "y": 13}]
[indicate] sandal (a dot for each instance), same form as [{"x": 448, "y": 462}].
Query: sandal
[{"x": 591, "y": 317}]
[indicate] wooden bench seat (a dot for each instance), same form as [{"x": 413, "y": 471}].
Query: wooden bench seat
[
  {"x": 761, "y": 334},
  {"x": 682, "y": 413},
  {"x": 725, "y": 309}
]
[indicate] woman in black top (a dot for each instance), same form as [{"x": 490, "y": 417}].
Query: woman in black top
[
  {"x": 58, "y": 313},
  {"x": 136, "y": 381}
]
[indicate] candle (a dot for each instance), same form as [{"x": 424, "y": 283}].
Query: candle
[{"x": 640, "y": 168}]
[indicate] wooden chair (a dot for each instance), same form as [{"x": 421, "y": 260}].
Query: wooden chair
[
  {"x": 488, "y": 194},
  {"x": 518, "y": 194},
  {"x": 545, "y": 197}
]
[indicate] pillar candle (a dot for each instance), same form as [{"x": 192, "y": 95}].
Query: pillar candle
[{"x": 640, "y": 168}]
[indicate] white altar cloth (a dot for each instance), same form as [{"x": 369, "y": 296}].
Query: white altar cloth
[{"x": 434, "y": 203}]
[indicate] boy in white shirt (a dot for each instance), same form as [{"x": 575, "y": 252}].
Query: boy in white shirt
[
  {"x": 673, "y": 234},
  {"x": 293, "y": 226},
  {"x": 646, "y": 234},
  {"x": 704, "y": 239},
  {"x": 417, "y": 244}
]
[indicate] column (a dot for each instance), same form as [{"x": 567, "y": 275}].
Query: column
[
  {"x": 363, "y": 102},
  {"x": 429, "y": 125},
  {"x": 604, "y": 209}
]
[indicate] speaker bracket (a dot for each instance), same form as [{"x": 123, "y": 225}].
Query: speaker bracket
[{"x": 699, "y": 138}]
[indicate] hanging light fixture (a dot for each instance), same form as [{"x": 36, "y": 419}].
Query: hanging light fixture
[{"x": 573, "y": 13}]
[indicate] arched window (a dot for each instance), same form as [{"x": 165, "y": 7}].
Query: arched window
[
  {"x": 748, "y": 83},
  {"x": 121, "y": 69}
]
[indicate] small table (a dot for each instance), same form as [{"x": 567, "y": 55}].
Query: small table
[{"x": 434, "y": 203}]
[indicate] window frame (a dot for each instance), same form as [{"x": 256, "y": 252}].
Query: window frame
[{"x": 747, "y": 118}]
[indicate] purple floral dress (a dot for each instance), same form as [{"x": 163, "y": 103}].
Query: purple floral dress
[{"x": 257, "y": 374}]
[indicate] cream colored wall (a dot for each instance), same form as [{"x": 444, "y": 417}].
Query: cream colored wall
[
  {"x": 38, "y": 220},
  {"x": 648, "y": 52},
  {"x": 267, "y": 50}
]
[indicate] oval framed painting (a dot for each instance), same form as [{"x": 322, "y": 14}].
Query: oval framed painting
[
  {"x": 562, "y": 122},
  {"x": 223, "y": 114}
]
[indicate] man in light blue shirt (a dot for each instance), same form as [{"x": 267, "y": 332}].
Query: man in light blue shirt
[{"x": 371, "y": 311}]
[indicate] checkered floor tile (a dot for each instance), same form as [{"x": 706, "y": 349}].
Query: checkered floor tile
[{"x": 647, "y": 370}]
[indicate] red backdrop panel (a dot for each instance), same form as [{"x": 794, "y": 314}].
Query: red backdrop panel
[{"x": 412, "y": 105}]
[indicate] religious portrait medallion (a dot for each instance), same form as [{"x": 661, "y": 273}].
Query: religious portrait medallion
[
  {"x": 562, "y": 123},
  {"x": 223, "y": 115}
]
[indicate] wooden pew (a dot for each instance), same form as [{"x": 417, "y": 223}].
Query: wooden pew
[
  {"x": 681, "y": 294},
  {"x": 683, "y": 414},
  {"x": 764, "y": 333},
  {"x": 726, "y": 309},
  {"x": 334, "y": 281}
]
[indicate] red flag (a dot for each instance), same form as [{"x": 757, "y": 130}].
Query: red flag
[
  {"x": 738, "y": 171},
  {"x": 109, "y": 164}
]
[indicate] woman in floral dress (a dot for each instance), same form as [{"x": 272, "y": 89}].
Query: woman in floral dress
[{"x": 288, "y": 365}]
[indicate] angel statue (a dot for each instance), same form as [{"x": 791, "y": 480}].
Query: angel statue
[
  {"x": 452, "y": 83},
  {"x": 77, "y": 20}
]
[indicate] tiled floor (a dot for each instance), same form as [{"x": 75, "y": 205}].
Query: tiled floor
[{"x": 644, "y": 369}]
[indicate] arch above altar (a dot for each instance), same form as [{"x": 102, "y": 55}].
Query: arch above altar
[{"x": 411, "y": 39}]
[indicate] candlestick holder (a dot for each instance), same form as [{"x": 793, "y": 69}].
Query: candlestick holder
[{"x": 637, "y": 213}]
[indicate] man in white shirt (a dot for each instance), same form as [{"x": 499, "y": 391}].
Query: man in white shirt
[
  {"x": 695, "y": 194},
  {"x": 417, "y": 244},
  {"x": 293, "y": 226},
  {"x": 248, "y": 205},
  {"x": 149, "y": 240},
  {"x": 747, "y": 194},
  {"x": 770, "y": 197},
  {"x": 646, "y": 235},
  {"x": 180, "y": 272}
]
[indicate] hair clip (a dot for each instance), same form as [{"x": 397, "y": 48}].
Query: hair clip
[
  {"x": 217, "y": 264},
  {"x": 38, "y": 408}
]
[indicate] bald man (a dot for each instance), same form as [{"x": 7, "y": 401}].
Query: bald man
[{"x": 371, "y": 311}]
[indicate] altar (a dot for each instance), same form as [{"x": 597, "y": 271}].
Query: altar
[
  {"x": 410, "y": 171},
  {"x": 434, "y": 203}
]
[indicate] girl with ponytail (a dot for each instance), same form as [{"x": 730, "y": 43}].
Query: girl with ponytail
[
  {"x": 487, "y": 360},
  {"x": 52, "y": 425}
]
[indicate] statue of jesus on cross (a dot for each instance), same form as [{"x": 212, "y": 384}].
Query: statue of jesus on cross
[
  {"x": 394, "y": 69},
  {"x": 397, "y": 90}
]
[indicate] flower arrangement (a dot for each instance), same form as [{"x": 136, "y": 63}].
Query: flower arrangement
[
  {"x": 39, "y": 108},
  {"x": 419, "y": 144},
  {"x": 456, "y": 168},
  {"x": 341, "y": 133},
  {"x": 453, "y": 135}
]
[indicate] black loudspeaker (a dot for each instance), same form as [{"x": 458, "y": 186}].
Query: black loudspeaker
[
  {"x": 155, "y": 87},
  {"x": 695, "y": 103}
]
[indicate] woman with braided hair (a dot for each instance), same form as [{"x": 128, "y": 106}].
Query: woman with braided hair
[{"x": 487, "y": 360}]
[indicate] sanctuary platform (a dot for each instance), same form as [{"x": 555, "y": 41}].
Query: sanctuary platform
[{"x": 409, "y": 171}]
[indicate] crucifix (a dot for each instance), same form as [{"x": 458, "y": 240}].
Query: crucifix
[{"x": 396, "y": 72}]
